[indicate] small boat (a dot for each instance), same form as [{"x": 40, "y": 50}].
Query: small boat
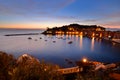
[
  {"x": 64, "y": 38},
  {"x": 35, "y": 39},
  {"x": 29, "y": 38},
  {"x": 70, "y": 42},
  {"x": 69, "y": 61},
  {"x": 45, "y": 40},
  {"x": 54, "y": 41}
]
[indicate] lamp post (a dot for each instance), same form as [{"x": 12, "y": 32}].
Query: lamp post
[{"x": 84, "y": 60}]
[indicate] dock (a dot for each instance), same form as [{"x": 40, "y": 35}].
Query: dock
[
  {"x": 116, "y": 40},
  {"x": 70, "y": 70}
]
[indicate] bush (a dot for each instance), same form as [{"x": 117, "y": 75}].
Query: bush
[
  {"x": 7, "y": 63},
  {"x": 36, "y": 71}
]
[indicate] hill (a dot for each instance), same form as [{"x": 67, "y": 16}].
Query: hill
[{"x": 73, "y": 28}]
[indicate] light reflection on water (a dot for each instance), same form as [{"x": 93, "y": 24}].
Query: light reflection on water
[
  {"x": 57, "y": 52},
  {"x": 81, "y": 41},
  {"x": 92, "y": 44}
]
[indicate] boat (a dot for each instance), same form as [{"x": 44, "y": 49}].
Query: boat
[
  {"x": 29, "y": 38},
  {"x": 54, "y": 41},
  {"x": 70, "y": 42}
]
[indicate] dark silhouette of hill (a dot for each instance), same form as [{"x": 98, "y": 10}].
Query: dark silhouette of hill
[{"x": 73, "y": 28}]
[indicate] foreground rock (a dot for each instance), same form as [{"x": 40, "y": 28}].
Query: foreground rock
[{"x": 25, "y": 58}]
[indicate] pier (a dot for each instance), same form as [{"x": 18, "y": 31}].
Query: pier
[
  {"x": 70, "y": 70},
  {"x": 116, "y": 40}
]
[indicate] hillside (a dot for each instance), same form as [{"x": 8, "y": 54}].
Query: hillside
[{"x": 73, "y": 28}]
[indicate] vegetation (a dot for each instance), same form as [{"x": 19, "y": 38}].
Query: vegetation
[
  {"x": 27, "y": 67},
  {"x": 7, "y": 63},
  {"x": 76, "y": 27},
  {"x": 73, "y": 28},
  {"x": 10, "y": 69}
]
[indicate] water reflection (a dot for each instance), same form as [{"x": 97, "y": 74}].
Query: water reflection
[
  {"x": 81, "y": 41},
  {"x": 92, "y": 43},
  {"x": 60, "y": 50}
]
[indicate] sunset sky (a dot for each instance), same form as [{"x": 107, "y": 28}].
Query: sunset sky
[{"x": 51, "y": 13}]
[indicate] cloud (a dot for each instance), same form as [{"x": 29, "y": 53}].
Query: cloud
[
  {"x": 91, "y": 20},
  {"x": 112, "y": 23},
  {"x": 111, "y": 19},
  {"x": 114, "y": 15},
  {"x": 32, "y": 7}
]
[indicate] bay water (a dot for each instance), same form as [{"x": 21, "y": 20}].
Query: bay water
[{"x": 56, "y": 49}]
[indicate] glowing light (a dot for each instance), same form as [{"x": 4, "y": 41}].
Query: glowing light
[
  {"x": 109, "y": 36},
  {"x": 100, "y": 35},
  {"x": 84, "y": 60},
  {"x": 76, "y": 32},
  {"x": 73, "y": 32},
  {"x": 93, "y": 34},
  {"x": 67, "y": 32},
  {"x": 81, "y": 33}
]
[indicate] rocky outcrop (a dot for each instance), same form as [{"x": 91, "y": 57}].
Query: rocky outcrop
[{"x": 26, "y": 58}]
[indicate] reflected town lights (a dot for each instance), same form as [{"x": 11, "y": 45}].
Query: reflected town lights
[
  {"x": 92, "y": 44},
  {"x": 81, "y": 41}
]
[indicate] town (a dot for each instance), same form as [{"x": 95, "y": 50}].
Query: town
[{"x": 85, "y": 30}]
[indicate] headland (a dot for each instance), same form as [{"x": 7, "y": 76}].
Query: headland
[{"x": 85, "y": 30}]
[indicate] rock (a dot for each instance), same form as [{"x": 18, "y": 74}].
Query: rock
[{"x": 26, "y": 58}]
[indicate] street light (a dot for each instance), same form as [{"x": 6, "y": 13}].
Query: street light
[{"x": 84, "y": 60}]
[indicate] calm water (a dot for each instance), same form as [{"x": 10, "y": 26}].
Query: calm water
[{"x": 93, "y": 49}]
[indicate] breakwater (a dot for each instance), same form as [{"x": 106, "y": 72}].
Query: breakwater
[{"x": 22, "y": 34}]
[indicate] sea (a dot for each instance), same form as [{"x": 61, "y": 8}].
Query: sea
[{"x": 56, "y": 49}]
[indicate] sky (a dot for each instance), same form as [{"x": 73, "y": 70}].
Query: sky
[{"x": 51, "y": 13}]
